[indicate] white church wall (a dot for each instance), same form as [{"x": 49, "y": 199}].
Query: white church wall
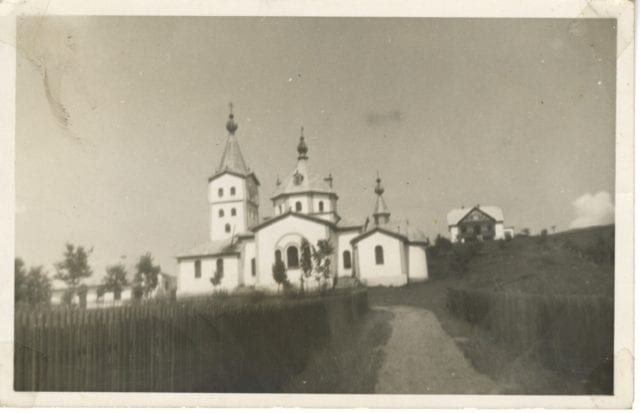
[
  {"x": 418, "y": 270},
  {"x": 499, "y": 228},
  {"x": 344, "y": 244},
  {"x": 188, "y": 284},
  {"x": 388, "y": 274},
  {"x": 281, "y": 234},
  {"x": 227, "y": 203},
  {"x": 248, "y": 278},
  {"x": 225, "y": 182}
]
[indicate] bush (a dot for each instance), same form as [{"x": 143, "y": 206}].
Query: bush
[{"x": 462, "y": 255}]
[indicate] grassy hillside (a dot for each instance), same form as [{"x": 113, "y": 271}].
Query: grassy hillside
[{"x": 556, "y": 264}]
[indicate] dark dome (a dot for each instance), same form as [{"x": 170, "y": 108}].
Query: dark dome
[{"x": 232, "y": 126}]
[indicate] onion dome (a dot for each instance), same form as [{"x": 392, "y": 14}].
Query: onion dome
[
  {"x": 379, "y": 189},
  {"x": 302, "y": 147},
  {"x": 232, "y": 126},
  {"x": 381, "y": 212}
]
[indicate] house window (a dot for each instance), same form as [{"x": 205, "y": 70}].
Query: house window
[
  {"x": 220, "y": 192},
  {"x": 298, "y": 206},
  {"x": 253, "y": 267},
  {"x": 292, "y": 257},
  {"x": 278, "y": 256},
  {"x": 233, "y": 212},
  {"x": 321, "y": 206},
  {"x": 221, "y": 213},
  {"x": 198, "y": 268},
  {"x": 280, "y": 208},
  {"x": 346, "y": 259},
  {"x": 220, "y": 266},
  {"x": 233, "y": 190},
  {"x": 379, "y": 255},
  {"x": 227, "y": 228}
]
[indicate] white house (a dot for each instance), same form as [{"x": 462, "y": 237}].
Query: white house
[
  {"x": 478, "y": 222},
  {"x": 242, "y": 251}
]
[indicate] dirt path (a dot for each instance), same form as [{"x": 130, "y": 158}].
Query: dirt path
[{"x": 420, "y": 358}]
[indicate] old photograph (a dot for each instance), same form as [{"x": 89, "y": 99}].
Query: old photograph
[{"x": 315, "y": 205}]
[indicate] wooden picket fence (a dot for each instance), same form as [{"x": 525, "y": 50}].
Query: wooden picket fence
[
  {"x": 193, "y": 345},
  {"x": 571, "y": 334}
]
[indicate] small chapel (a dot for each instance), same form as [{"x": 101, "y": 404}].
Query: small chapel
[{"x": 242, "y": 248}]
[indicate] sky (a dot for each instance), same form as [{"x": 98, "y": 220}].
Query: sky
[{"x": 120, "y": 121}]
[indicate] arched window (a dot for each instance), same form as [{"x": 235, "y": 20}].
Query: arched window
[
  {"x": 233, "y": 190},
  {"x": 233, "y": 212},
  {"x": 278, "y": 255},
  {"x": 379, "y": 255},
  {"x": 346, "y": 259},
  {"x": 253, "y": 267},
  {"x": 221, "y": 213},
  {"x": 220, "y": 266},
  {"x": 321, "y": 206},
  {"x": 198, "y": 268},
  {"x": 227, "y": 228},
  {"x": 298, "y": 206},
  {"x": 220, "y": 191},
  {"x": 292, "y": 257}
]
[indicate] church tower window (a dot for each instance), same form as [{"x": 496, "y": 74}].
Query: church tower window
[
  {"x": 321, "y": 206},
  {"x": 292, "y": 257},
  {"x": 379, "y": 255},
  {"x": 220, "y": 266},
  {"x": 220, "y": 192},
  {"x": 197, "y": 268},
  {"x": 227, "y": 228},
  {"x": 346, "y": 259},
  {"x": 233, "y": 212},
  {"x": 253, "y": 267},
  {"x": 233, "y": 190},
  {"x": 298, "y": 206},
  {"x": 221, "y": 213}
]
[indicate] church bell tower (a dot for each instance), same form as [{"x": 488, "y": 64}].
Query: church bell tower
[{"x": 233, "y": 190}]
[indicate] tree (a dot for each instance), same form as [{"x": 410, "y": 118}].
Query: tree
[
  {"x": 305, "y": 262},
  {"x": 115, "y": 280},
  {"x": 32, "y": 286},
  {"x": 441, "y": 245},
  {"x": 279, "y": 273},
  {"x": 322, "y": 260},
  {"x": 73, "y": 269},
  {"x": 20, "y": 281},
  {"x": 146, "y": 276},
  {"x": 526, "y": 232}
]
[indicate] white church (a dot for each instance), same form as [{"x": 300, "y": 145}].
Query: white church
[{"x": 242, "y": 248}]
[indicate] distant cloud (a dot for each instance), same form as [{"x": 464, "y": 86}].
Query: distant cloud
[
  {"x": 593, "y": 210},
  {"x": 374, "y": 118}
]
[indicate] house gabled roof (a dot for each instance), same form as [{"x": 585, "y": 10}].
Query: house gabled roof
[
  {"x": 294, "y": 214},
  {"x": 456, "y": 215}
]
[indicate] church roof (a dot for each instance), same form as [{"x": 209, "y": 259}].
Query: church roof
[
  {"x": 398, "y": 229},
  {"x": 277, "y": 218},
  {"x": 303, "y": 178},
  {"x": 212, "y": 248},
  {"x": 232, "y": 159},
  {"x": 455, "y": 215}
]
